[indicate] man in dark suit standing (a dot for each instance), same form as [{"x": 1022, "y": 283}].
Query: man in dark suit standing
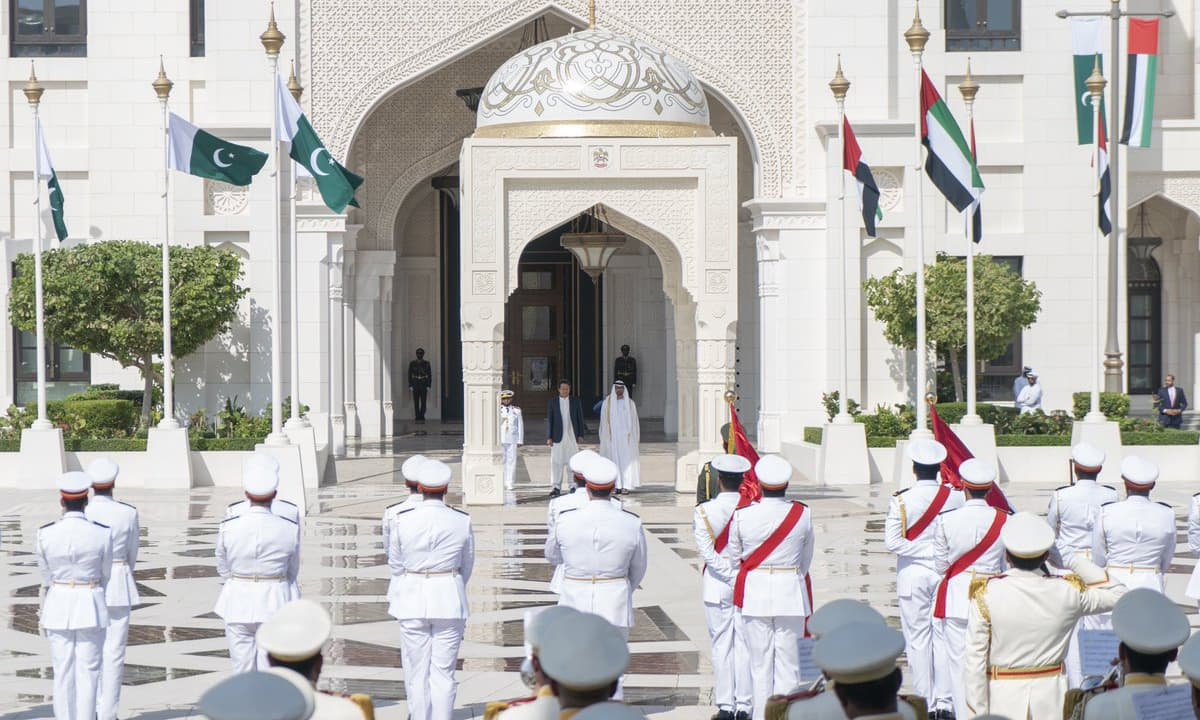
[
  {"x": 420, "y": 377},
  {"x": 564, "y": 430},
  {"x": 1171, "y": 403}
]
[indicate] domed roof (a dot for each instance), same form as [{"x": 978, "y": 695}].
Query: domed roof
[{"x": 593, "y": 83}]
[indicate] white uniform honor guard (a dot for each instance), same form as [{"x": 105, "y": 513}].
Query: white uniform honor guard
[
  {"x": 258, "y": 555},
  {"x": 257, "y": 696},
  {"x": 860, "y": 659},
  {"x": 432, "y": 548},
  {"x": 908, "y": 533},
  {"x": 293, "y": 639},
  {"x": 512, "y": 436},
  {"x": 75, "y": 558},
  {"x": 1134, "y": 538},
  {"x": 577, "y": 498},
  {"x": 1019, "y": 624},
  {"x": 1151, "y": 628},
  {"x": 1189, "y": 665},
  {"x": 711, "y": 526},
  {"x": 818, "y": 701},
  {"x": 408, "y": 471},
  {"x": 1193, "y": 535},
  {"x": 602, "y": 549},
  {"x": 120, "y": 593},
  {"x": 282, "y": 508},
  {"x": 771, "y": 543},
  {"x": 967, "y": 550},
  {"x": 584, "y": 658},
  {"x": 1072, "y": 514}
]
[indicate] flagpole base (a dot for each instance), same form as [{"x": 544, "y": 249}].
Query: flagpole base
[
  {"x": 843, "y": 419},
  {"x": 277, "y": 440},
  {"x": 1096, "y": 417},
  {"x": 304, "y": 437},
  {"x": 41, "y": 425},
  {"x": 168, "y": 423},
  {"x": 980, "y": 440},
  {"x": 921, "y": 434},
  {"x": 170, "y": 456},
  {"x": 41, "y": 460},
  {"x": 293, "y": 423},
  {"x": 843, "y": 458},
  {"x": 1106, "y": 435},
  {"x": 971, "y": 419}
]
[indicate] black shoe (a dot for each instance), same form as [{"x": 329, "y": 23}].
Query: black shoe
[
  {"x": 741, "y": 715},
  {"x": 725, "y": 715},
  {"x": 573, "y": 488},
  {"x": 555, "y": 492}
]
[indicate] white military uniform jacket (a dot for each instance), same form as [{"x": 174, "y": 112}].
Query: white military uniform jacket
[
  {"x": 1193, "y": 534},
  {"x": 75, "y": 558},
  {"x": 776, "y": 587},
  {"x": 708, "y": 520},
  {"x": 956, "y": 533},
  {"x": 1072, "y": 513},
  {"x": 602, "y": 549},
  {"x": 431, "y": 553},
  {"x": 557, "y": 506},
  {"x": 543, "y": 707},
  {"x": 1118, "y": 704},
  {"x": 282, "y": 508},
  {"x": 914, "y": 558},
  {"x": 512, "y": 426},
  {"x": 258, "y": 554},
  {"x": 825, "y": 706},
  {"x": 1020, "y": 624},
  {"x": 122, "y": 521},
  {"x": 1135, "y": 540}
]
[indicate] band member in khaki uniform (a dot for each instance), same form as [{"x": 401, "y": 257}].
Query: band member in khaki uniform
[
  {"x": 260, "y": 695},
  {"x": 1151, "y": 628},
  {"x": 860, "y": 659},
  {"x": 1134, "y": 538},
  {"x": 1019, "y": 625},
  {"x": 585, "y": 681},
  {"x": 542, "y": 705}
]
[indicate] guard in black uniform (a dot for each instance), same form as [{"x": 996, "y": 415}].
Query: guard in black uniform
[
  {"x": 420, "y": 377},
  {"x": 625, "y": 370}
]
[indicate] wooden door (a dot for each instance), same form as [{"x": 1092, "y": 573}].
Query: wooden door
[{"x": 534, "y": 336}]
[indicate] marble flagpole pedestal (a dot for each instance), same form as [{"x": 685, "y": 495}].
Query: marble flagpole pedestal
[
  {"x": 41, "y": 460},
  {"x": 1106, "y": 435},
  {"x": 170, "y": 456},
  {"x": 291, "y": 473}
]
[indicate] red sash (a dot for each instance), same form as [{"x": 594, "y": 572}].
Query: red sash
[
  {"x": 762, "y": 552},
  {"x": 935, "y": 507},
  {"x": 967, "y": 560},
  {"x": 722, "y": 538}
]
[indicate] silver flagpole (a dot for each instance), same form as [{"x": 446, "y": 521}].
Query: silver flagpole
[
  {"x": 917, "y": 36},
  {"x": 33, "y": 93},
  {"x": 1095, "y": 86},
  {"x": 840, "y": 86},
  {"x": 272, "y": 40},
  {"x": 969, "y": 89},
  {"x": 162, "y": 87},
  {"x": 295, "y": 421}
]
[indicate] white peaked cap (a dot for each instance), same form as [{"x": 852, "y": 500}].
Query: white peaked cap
[
  {"x": 74, "y": 483},
  {"x": 257, "y": 696},
  {"x": 1189, "y": 659},
  {"x": 262, "y": 459},
  {"x": 580, "y": 460},
  {"x": 409, "y": 468},
  {"x": 732, "y": 464},
  {"x": 926, "y": 452},
  {"x": 103, "y": 471},
  {"x": 600, "y": 473},
  {"x": 434, "y": 474},
  {"x": 1026, "y": 535},
  {"x": 976, "y": 474},
  {"x": 858, "y": 652},
  {"x": 1148, "y": 622},
  {"x": 583, "y": 652},
  {"x": 1087, "y": 455},
  {"x": 1139, "y": 471},
  {"x": 773, "y": 472},
  {"x": 610, "y": 710},
  {"x": 297, "y": 631},
  {"x": 843, "y": 611},
  {"x": 536, "y": 622},
  {"x": 258, "y": 480}
]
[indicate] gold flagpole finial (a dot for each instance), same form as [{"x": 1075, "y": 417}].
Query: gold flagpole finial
[
  {"x": 272, "y": 39},
  {"x": 591, "y": 14},
  {"x": 162, "y": 84},
  {"x": 293, "y": 85},
  {"x": 730, "y": 396},
  {"x": 33, "y": 89},
  {"x": 916, "y": 35},
  {"x": 839, "y": 84},
  {"x": 1096, "y": 82},
  {"x": 968, "y": 87}
]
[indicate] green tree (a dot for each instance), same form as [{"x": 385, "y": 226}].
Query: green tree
[
  {"x": 106, "y": 298},
  {"x": 1004, "y": 304}
]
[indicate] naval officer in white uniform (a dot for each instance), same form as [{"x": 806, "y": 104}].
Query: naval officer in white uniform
[
  {"x": 284, "y": 508},
  {"x": 74, "y": 556},
  {"x": 408, "y": 471},
  {"x": 575, "y": 499},
  {"x": 432, "y": 549},
  {"x": 120, "y": 593},
  {"x": 1134, "y": 539},
  {"x": 512, "y": 436},
  {"x": 258, "y": 555},
  {"x": 710, "y": 525}
]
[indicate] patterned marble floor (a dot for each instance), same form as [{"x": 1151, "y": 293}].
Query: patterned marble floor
[{"x": 177, "y": 646}]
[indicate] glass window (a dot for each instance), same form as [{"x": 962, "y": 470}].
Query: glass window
[
  {"x": 196, "y": 27},
  {"x": 537, "y": 280},
  {"x": 983, "y": 25},
  {"x": 48, "y": 28},
  {"x": 537, "y": 322}
]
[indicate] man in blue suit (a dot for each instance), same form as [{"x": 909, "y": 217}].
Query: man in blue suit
[
  {"x": 1171, "y": 403},
  {"x": 564, "y": 430}
]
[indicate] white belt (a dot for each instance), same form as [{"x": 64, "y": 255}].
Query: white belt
[
  {"x": 1131, "y": 568},
  {"x": 260, "y": 578},
  {"x": 77, "y": 583},
  {"x": 594, "y": 579},
  {"x": 119, "y": 562},
  {"x": 431, "y": 573},
  {"x": 773, "y": 570}
]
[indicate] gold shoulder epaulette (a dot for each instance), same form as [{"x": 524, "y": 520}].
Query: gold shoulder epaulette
[
  {"x": 978, "y": 586},
  {"x": 364, "y": 703},
  {"x": 777, "y": 708},
  {"x": 918, "y": 704},
  {"x": 493, "y": 709},
  {"x": 1076, "y": 582}
]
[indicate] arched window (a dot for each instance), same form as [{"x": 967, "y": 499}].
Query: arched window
[{"x": 1144, "y": 298}]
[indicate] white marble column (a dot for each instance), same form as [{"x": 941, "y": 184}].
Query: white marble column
[
  {"x": 337, "y": 354},
  {"x": 373, "y": 274},
  {"x": 770, "y": 404},
  {"x": 389, "y": 417},
  {"x": 348, "y": 349},
  {"x": 483, "y": 371}
]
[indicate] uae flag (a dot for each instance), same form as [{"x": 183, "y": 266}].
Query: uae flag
[
  {"x": 335, "y": 183},
  {"x": 1105, "y": 182},
  {"x": 1139, "y": 94},
  {"x": 53, "y": 189},
  {"x": 948, "y": 162},
  {"x": 1085, "y": 46},
  {"x": 196, "y": 152},
  {"x": 868, "y": 191},
  {"x": 976, "y": 209}
]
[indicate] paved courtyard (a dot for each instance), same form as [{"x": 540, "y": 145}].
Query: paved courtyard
[{"x": 177, "y": 646}]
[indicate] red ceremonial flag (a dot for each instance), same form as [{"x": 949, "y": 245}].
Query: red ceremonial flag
[
  {"x": 956, "y": 454},
  {"x": 739, "y": 444}
]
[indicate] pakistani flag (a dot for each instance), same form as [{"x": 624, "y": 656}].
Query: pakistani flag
[
  {"x": 1139, "y": 94},
  {"x": 53, "y": 189},
  {"x": 948, "y": 162},
  {"x": 1085, "y": 46},
  {"x": 196, "y": 152},
  {"x": 336, "y": 183}
]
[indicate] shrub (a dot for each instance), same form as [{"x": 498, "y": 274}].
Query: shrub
[
  {"x": 125, "y": 444},
  {"x": 1175, "y": 437},
  {"x": 813, "y": 435},
  {"x": 883, "y": 441},
  {"x": 1113, "y": 405},
  {"x": 1032, "y": 440},
  {"x": 1038, "y": 423},
  {"x": 101, "y": 418},
  {"x": 10, "y": 444},
  {"x": 213, "y": 444},
  {"x": 830, "y": 400},
  {"x": 889, "y": 423},
  {"x": 1141, "y": 425},
  {"x": 111, "y": 391}
]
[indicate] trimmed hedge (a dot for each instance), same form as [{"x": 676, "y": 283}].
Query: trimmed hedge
[
  {"x": 953, "y": 412},
  {"x": 215, "y": 444},
  {"x": 104, "y": 445},
  {"x": 883, "y": 441},
  {"x": 1167, "y": 437},
  {"x": 1114, "y": 405},
  {"x": 118, "y": 418},
  {"x": 813, "y": 435},
  {"x": 1033, "y": 440},
  {"x": 138, "y": 444},
  {"x": 109, "y": 392}
]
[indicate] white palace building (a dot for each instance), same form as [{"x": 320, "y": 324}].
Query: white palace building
[{"x": 699, "y": 135}]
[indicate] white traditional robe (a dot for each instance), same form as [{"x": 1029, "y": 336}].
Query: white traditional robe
[{"x": 620, "y": 434}]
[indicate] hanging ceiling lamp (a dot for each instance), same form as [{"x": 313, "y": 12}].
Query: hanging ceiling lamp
[{"x": 592, "y": 241}]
